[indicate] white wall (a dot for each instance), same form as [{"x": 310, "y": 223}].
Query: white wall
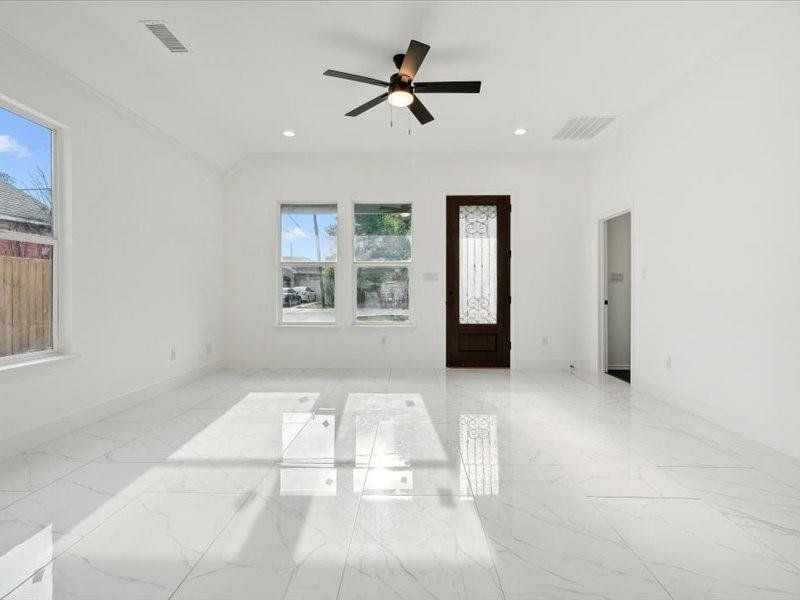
[
  {"x": 145, "y": 253},
  {"x": 712, "y": 174},
  {"x": 618, "y": 293},
  {"x": 549, "y": 206}
]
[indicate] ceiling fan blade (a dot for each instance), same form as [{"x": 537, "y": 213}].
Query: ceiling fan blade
[
  {"x": 447, "y": 87},
  {"x": 367, "y": 105},
  {"x": 359, "y": 78},
  {"x": 419, "y": 110},
  {"x": 414, "y": 56}
]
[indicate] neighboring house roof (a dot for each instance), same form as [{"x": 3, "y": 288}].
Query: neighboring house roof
[{"x": 16, "y": 205}]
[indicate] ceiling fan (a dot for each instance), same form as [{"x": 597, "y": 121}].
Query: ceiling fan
[{"x": 402, "y": 89}]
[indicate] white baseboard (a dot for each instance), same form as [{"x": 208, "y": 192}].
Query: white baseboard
[
  {"x": 765, "y": 434},
  {"x": 251, "y": 363},
  {"x": 548, "y": 365},
  {"x": 44, "y": 433}
]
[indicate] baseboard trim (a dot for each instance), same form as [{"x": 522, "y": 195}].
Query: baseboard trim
[
  {"x": 252, "y": 363},
  {"x": 49, "y": 431},
  {"x": 548, "y": 365},
  {"x": 762, "y": 434}
]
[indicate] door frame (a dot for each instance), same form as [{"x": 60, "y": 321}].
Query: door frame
[
  {"x": 471, "y": 198},
  {"x": 602, "y": 289}
]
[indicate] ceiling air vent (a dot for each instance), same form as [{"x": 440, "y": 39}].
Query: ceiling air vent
[
  {"x": 582, "y": 128},
  {"x": 162, "y": 32}
]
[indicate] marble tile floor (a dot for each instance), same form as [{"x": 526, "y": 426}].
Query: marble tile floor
[{"x": 372, "y": 484}]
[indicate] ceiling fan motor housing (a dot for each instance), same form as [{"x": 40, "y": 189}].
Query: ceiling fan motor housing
[{"x": 400, "y": 83}]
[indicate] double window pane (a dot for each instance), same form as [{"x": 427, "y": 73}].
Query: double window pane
[
  {"x": 26, "y": 236},
  {"x": 308, "y": 263},
  {"x": 382, "y": 253}
]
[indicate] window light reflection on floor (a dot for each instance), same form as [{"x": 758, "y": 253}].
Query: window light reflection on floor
[
  {"x": 388, "y": 434},
  {"x": 246, "y": 430},
  {"x": 33, "y": 555},
  {"x": 307, "y": 466}
]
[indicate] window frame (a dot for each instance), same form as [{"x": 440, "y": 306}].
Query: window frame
[
  {"x": 279, "y": 322},
  {"x": 58, "y": 170},
  {"x": 356, "y": 264}
]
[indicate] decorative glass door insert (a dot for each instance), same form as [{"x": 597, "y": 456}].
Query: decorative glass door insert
[{"x": 477, "y": 241}]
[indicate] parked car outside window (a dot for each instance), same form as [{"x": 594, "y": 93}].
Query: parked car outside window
[
  {"x": 290, "y": 297},
  {"x": 307, "y": 294}
]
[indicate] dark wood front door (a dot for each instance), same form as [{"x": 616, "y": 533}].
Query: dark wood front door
[{"x": 478, "y": 281}]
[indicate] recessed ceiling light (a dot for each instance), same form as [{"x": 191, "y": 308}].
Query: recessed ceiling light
[
  {"x": 520, "y": 131},
  {"x": 289, "y": 133}
]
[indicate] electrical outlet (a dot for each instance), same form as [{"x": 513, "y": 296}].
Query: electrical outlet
[
  {"x": 545, "y": 341},
  {"x": 209, "y": 348},
  {"x": 172, "y": 354},
  {"x": 668, "y": 363}
]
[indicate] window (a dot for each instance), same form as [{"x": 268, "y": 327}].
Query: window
[
  {"x": 382, "y": 255},
  {"x": 307, "y": 291},
  {"x": 28, "y": 243}
]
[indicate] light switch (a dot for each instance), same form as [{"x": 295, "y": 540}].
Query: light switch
[{"x": 430, "y": 277}]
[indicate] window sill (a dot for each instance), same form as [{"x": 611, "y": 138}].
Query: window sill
[
  {"x": 386, "y": 324},
  {"x": 305, "y": 325},
  {"x": 32, "y": 361}
]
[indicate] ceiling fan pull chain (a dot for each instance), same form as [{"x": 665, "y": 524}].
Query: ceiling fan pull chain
[{"x": 409, "y": 123}]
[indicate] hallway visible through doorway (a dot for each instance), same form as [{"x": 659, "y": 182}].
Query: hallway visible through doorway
[{"x": 615, "y": 278}]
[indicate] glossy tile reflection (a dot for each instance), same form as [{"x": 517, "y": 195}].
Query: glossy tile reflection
[
  {"x": 478, "y": 446},
  {"x": 307, "y": 465},
  {"x": 324, "y": 484}
]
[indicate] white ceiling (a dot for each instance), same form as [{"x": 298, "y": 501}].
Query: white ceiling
[{"x": 255, "y": 69}]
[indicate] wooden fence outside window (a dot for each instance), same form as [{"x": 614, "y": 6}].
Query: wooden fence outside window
[{"x": 26, "y": 297}]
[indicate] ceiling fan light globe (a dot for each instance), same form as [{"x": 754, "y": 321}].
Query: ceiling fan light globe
[{"x": 400, "y": 98}]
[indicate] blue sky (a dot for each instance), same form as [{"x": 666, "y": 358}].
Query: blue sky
[
  {"x": 24, "y": 145},
  {"x": 297, "y": 236}
]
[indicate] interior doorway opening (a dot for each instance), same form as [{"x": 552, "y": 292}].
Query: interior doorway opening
[{"x": 615, "y": 296}]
